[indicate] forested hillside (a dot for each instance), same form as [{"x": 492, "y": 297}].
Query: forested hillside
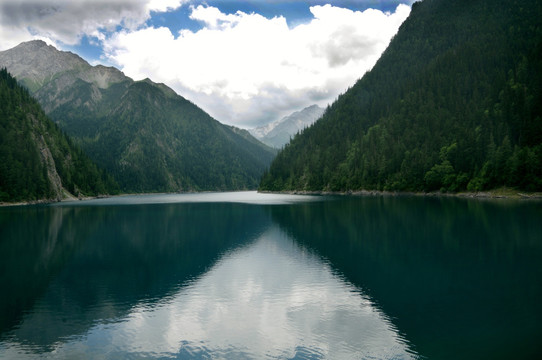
[
  {"x": 152, "y": 141},
  {"x": 37, "y": 161},
  {"x": 454, "y": 103},
  {"x": 144, "y": 134}
]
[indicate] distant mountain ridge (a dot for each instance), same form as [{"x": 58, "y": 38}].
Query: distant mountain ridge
[
  {"x": 453, "y": 104},
  {"x": 148, "y": 137},
  {"x": 278, "y": 133},
  {"x": 37, "y": 161}
]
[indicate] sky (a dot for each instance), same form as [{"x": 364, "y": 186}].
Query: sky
[{"x": 246, "y": 62}]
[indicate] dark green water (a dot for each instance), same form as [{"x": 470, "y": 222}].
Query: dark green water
[{"x": 252, "y": 276}]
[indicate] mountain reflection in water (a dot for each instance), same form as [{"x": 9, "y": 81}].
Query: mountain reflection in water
[{"x": 245, "y": 275}]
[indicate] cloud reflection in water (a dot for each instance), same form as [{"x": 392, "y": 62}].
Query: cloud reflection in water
[{"x": 270, "y": 299}]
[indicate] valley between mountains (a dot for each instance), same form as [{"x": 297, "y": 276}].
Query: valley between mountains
[
  {"x": 452, "y": 105},
  {"x": 142, "y": 133}
]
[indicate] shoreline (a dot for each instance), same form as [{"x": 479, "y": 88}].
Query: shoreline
[
  {"x": 505, "y": 194},
  {"x": 53, "y": 201},
  {"x": 71, "y": 198},
  {"x": 496, "y": 194}
]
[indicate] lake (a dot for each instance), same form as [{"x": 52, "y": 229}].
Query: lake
[{"x": 264, "y": 276}]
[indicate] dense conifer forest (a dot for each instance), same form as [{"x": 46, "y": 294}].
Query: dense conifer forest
[
  {"x": 453, "y": 104},
  {"x": 36, "y": 159}
]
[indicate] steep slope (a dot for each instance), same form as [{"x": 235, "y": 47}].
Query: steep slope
[
  {"x": 454, "y": 103},
  {"x": 148, "y": 137},
  {"x": 37, "y": 161},
  {"x": 279, "y": 133}
]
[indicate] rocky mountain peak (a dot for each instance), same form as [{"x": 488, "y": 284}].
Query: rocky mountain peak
[
  {"x": 36, "y": 65},
  {"x": 32, "y": 44},
  {"x": 278, "y": 133}
]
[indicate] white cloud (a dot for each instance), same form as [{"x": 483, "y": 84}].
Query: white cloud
[
  {"x": 67, "y": 21},
  {"x": 214, "y": 18},
  {"x": 11, "y": 36},
  {"x": 245, "y": 69},
  {"x": 164, "y": 5}
]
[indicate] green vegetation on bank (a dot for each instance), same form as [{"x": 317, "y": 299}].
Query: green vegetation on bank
[
  {"x": 454, "y": 104},
  {"x": 36, "y": 159}
]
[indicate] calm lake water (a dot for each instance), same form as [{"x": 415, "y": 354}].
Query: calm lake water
[{"x": 260, "y": 276}]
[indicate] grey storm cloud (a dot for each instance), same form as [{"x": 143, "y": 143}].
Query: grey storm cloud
[
  {"x": 67, "y": 21},
  {"x": 342, "y": 47}
]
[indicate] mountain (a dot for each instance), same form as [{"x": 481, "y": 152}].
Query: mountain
[
  {"x": 143, "y": 133},
  {"x": 278, "y": 133},
  {"x": 37, "y": 161},
  {"x": 454, "y": 103}
]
